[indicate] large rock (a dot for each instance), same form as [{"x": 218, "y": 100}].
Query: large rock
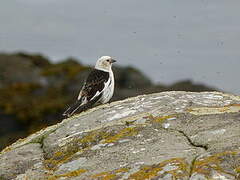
[{"x": 169, "y": 135}]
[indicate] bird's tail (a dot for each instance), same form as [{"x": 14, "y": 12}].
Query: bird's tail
[
  {"x": 78, "y": 106},
  {"x": 73, "y": 108}
]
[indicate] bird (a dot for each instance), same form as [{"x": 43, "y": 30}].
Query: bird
[{"x": 98, "y": 88}]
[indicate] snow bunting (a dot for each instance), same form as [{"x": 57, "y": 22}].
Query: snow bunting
[{"x": 98, "y": 87}]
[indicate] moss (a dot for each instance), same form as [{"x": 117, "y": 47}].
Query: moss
[
  {"x": 75, "y": 173},
  {"x": 207, "y": 164},
  {"x": 148, "y": 172}
]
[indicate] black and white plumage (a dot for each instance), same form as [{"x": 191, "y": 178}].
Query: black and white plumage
[{"x": 98, "y": 87}]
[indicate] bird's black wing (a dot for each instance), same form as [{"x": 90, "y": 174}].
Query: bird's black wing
[
  {"x": 94, "y": 84},
  {"x": 90, "y": 93}
]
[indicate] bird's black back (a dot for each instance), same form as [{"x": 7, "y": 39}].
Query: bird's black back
[{"x": 95, "y": 82}]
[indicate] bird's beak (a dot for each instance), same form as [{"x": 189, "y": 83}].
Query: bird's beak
[{"x": 113, "y": 61}]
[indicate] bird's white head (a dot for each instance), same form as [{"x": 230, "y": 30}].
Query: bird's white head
[{"x": 104, "y": 63}]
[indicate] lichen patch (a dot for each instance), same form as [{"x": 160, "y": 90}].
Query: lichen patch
[
  {"x": 75, "y": 173},
  {"x": 91, "y": 141},
  {"x": 215, "y": 163},
  {"x": 178, "y": 168},
  {"x": 126, "y": 132},
  {"x": 163, "y": 120},
  {"x": 110, "y": 175},
  {"x": 233, "y": 108}
]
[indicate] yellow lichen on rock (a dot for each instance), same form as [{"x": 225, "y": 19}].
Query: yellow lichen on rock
[
  {"x": 178, "y": 168},
  {"x": 237, "y": 170},
  {"x": 110, "y": 175},
  {"x": 126, "y": 132},
  {"x": 104, "y": 176},
  {"x": 69, "y": 174},
  {"x": 93, "y": 137},
  {"x": 205, "y": 165},
  {"x": 232, "y": 108},
  {"x": 159, "y": 119},
  {"x": 65, "y": 153},
  {"x": 83, "y": 144}
]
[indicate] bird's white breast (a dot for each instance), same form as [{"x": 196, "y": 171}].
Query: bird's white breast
[{"x": 108, "y": 92}]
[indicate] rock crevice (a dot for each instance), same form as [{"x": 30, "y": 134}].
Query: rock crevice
[{"x": 192, "y": 143}]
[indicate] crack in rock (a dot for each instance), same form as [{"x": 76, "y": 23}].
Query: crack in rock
[{"x": 205, "y": 147}]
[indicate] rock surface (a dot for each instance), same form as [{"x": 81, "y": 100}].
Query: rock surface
[{"x": 169, "y": 135}]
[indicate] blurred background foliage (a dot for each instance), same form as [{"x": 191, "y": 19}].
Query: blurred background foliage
[{"x": 34, "y": 92}]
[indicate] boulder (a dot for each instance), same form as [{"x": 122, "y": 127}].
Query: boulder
[{"x": 169, "y": 135}]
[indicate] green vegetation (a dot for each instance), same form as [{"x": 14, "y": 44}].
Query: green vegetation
[
  {"x": 39, "y": 97},
  {"x": 69, "y": 68}
]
